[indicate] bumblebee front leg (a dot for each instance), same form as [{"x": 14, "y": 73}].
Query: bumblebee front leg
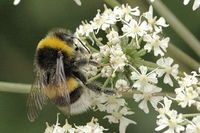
[
  {"x": 98, "y": 89},
  {"x": 84, "y": 61}
]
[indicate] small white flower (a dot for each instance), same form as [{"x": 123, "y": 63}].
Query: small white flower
[
  {"x": 68, "y": 128},
  {"x": 106, "y": 71},
  {"x": 143, "y": 78},
  {"x": 166, "y": 63},
  {"x": 107, "y": 103},
  {"x": 85, "y": 29},
  {"x": 126, "y": 12},
  {"x": 165, "y": 107},
  {"x": 118, "y": 117},
  {"x": 57, "y": 128},
  {"x": 98, "y": 101},
  {"x": 194, "y": 126},
  {"x": 103, "y": 21},
  {"x": 117, "y": 58},
  {"x": 91, "y": 127},
  {"x": 121, "y": 84},
  {"x": 172, "y": 121},
  {"x": 49, "y": 129},
  {"x": 153, "y": 23},
  {"x": 188, "y": 80},
  {"x": 90, "y": 70},
  {"x": 16, "y": 2},
  {"x": 195, "y": 5},
  {"x": 96, "y": 57},
  {"x": 104, "y": 50},
  {"x": 186, "y": 96},
  {"x": 158, "y": 45},
  {"x": 134, "y": 29},
  {"x": 113, "y": 103},
  {"x": 113, "y": 37},
  {"x": 147, "y": 95}
]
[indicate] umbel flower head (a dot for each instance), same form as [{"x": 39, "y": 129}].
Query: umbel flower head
[{"x": 118, "y": 39}]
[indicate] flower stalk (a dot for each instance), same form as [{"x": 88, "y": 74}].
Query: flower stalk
[
  {"x": 15, "y": 87},
  {"x": 25, "y": 88},
  {"x": 191, "y": 115}
]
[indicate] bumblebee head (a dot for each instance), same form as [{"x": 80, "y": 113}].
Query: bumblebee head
[{"x": 61, "y": 40}]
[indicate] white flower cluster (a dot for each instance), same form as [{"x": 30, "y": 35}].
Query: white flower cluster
[
  {"x": 173, "y": 122},
  {"x": 116, "y": 108},
  {"x": 91, "y": 127},
  {"x": 188, "y": 92},
  {"x": 121, "y": 42},
  {"x": 118, "y": 39},
  {"x": 146, "y": 82},
  {"x": 169, "y": 119}
]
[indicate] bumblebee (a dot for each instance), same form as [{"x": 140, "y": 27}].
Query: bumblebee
[{"x": 58, "y": 76}]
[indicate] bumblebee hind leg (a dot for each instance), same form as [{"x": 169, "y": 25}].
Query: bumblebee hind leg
[
  {"x": 98, "y": 89},
  {"x": 80, "y": 76},
  {"x": 91, "y": 86}
]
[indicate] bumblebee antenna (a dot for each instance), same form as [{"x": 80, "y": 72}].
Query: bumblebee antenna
[{"x": 81, "y": 43}]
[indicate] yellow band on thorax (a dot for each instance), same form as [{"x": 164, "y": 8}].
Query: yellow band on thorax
[{"x": 55, "y": 43}]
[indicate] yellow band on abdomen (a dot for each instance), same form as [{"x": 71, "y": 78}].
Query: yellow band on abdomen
[{"x": 53, "y": 91}]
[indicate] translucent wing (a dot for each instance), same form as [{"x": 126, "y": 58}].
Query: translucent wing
[
  {"x": 58, "y": 83},
  {"x": 49, "y": 84},
  {"x": 36, "y": 98}
]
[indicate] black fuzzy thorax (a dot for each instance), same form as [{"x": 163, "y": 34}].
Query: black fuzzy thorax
[{"x": 46, "y": 59}]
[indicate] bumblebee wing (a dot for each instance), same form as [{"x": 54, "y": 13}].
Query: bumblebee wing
[
  {"x": 36, "y": 98},
  {"x": 59, "y": 79}
]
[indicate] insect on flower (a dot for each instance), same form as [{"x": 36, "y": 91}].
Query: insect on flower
[{"x": 58, "y": 76}]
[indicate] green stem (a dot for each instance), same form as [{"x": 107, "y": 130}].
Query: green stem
[
  {"x": 106, "y": 82},
  {"x": 94, "y": 78},
  {"x": 191, "y": 115},
  {"x": 25, "y": 88},
  {"x": 129, "y": 94},
  {"x": 97, "y": 40},
  {"x": 15, "y": 87},
  {"x": 112, "y": 3},
  {"x": 181, "y": 30},
  {"x": 186, "y": 59},
  {"x": 92, "y": 48}
]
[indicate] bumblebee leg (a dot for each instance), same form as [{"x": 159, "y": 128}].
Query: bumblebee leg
[
  {"x": 82, "y": 62},
  {"x": 98, "y": 89},
  {"x": 80, "y": 76}
]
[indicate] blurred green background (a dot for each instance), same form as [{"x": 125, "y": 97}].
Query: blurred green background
[{"x": 22, "y": 26}]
